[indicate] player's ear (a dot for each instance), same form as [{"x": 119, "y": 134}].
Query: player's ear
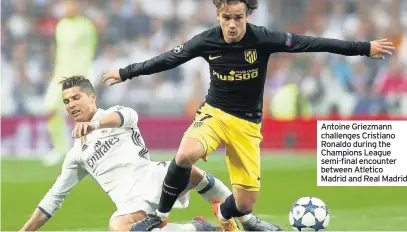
[{"x": 93, "y": 96}]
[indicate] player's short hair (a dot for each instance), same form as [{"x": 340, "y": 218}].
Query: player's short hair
[
  {"x": 250, "y": 4},
  {"x": 77, "y": 80}
]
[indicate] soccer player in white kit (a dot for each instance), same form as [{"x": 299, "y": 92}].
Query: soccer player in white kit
[{"x": 110, "y": 148}]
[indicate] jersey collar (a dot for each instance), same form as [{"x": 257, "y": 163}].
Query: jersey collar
[{"x": 97, "y": 114}]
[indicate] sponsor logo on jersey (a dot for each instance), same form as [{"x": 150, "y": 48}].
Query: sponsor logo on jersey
[
  {"x": 101, "y": 148},
  {"x": 240, "y": 75}
]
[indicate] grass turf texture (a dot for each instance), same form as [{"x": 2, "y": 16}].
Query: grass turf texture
[{"x": 284, "y": 179}]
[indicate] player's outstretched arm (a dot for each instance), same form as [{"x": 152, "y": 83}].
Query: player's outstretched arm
[
  {"x": 293, "y": 43},
  {"x": 169, "y": 60},
  {"x": 70, "y": 176},
  {"x": 37, "y": 220},
  {"x": 122, "y": 117}
]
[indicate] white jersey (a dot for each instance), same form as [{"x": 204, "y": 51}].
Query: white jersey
[{"x": 115, "y": 158}]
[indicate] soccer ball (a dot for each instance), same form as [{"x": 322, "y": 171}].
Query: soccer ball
[{"x": 309, "y": 214}]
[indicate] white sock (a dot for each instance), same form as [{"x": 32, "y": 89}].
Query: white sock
[
  {"x": 213, "y": 190},
  {"x": 178, "y": 227},
  {"x": 245, "y": 218},
  {"x": 162, "y": 215}
]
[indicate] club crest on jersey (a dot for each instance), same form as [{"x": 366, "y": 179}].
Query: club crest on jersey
[
  {"x": 250, "y": 55},
  {"x": 178, "y": 48}
]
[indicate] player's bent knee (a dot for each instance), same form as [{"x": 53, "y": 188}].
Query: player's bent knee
[
  {"x": 184, "y": 158},
  {"x": 189, "y": 152}
]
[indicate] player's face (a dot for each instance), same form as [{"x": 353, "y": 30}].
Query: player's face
[
  {"x": 71, "y": 8},
  {"x": 232, "y": 20},
  {"x": 79, "y": 105}
]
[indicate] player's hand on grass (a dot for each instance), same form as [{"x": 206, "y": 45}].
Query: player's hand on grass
[
  {"x": 379, "y": 48},
  {"x": 82, "y": 129},
  {"x": 112, "y": 78}
]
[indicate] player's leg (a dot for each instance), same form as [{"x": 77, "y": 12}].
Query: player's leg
[
  {"x": 196, "y": 224},
  {"x": 208, "y": 187},
  {"x": 243, "y": 162},
  {"x": 201, "y": 138},
  {"x": 125, "y": 223},
  {"x": 213, "y": 190},
  {"x": 178, "y": 175},
  {"x": 57, "y": 127}
]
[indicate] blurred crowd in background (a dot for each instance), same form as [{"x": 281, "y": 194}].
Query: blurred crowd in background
[{"x": 132, "y": 31}]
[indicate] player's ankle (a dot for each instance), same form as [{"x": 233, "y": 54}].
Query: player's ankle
[
  {"x": 163, "y": 216},
  {"x": 245, "y": 218}
]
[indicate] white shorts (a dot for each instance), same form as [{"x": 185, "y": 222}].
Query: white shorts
[{"x": 147, "y": 192}]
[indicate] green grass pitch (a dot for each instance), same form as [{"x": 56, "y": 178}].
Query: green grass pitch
[{"x": 284, "y": 179}]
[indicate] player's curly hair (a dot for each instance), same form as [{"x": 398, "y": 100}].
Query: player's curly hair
[
  {"x": 77, "y": 80},
  {"x": 250, "y": 4}
]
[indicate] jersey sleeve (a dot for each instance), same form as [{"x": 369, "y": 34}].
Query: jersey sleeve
[
  {"x": 293, "y": 43},
  {"x": 168, "y": 60},
  {"x": 128, "y": 116},
  {"x": 70, "y": 175}
]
